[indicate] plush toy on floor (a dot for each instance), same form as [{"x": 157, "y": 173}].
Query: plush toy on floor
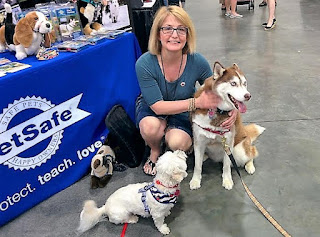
[
  {"x": 91, "y": 15},
  {"x": 102, "y": 167},
  {"x": 26, "y": 37},
  {"x": 144, "y": 199}
]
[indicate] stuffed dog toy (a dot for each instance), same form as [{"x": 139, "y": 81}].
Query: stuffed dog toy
[
  {"x": 91, "y": 15},
  {"x": 26, "y": 37},
  {"x": 101, "y": 167},
  {"x": 144, "y": 199}
]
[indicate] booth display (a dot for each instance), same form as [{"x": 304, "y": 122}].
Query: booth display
[
  {"x": 52, "y": 118},
  {"x": 64, "y": 26},
  {"x": 117, "y": 15},
  {"x": 15, "y": 10},
  {"x": 22, "y": 37},
  {"x": 64, "y": 18},
  {"x": 71, "y": 19},
  {"x": 90, "y": 15}
]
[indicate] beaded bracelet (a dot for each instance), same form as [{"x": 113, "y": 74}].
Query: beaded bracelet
[{"x": 192, "y": 104}]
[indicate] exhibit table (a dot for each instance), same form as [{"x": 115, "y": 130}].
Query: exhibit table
[{"x": 52, "y": 118}]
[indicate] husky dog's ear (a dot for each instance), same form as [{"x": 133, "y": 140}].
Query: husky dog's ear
[
  {"x": 218, "y": 70},
  {"x": 208, "y": 84},
  {"x": 235, "y": 66}
]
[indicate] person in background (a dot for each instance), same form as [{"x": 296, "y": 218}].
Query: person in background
[
  {"x": 231, "y": 6},
  {"x": 174, "y": 3},
  {"x": 223, "y": 7},
  {"x": 183, "y": 3},
  {"x": 165, "y": 2},
  {"x": 167, "y": 75},
  {"x": 272, "y": 18},
  {"x": 264, "y": 3}
]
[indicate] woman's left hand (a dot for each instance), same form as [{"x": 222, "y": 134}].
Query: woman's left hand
[{"x": 230, "y": 121}]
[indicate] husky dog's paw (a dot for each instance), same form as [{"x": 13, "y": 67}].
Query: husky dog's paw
[
  {"x": 249, "y": 167},
  {"x": 195, "y": 184},
  {"x": 164, "y": 229},
  {"x": 227, "y": 183},
  {"x": 133, "y": 219}
]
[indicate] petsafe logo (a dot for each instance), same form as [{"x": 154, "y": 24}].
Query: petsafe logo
[{"x": 35, "y": 122}]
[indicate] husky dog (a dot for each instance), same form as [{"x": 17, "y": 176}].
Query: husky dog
[
  {"x": 144, "y": 199},
  {"x": 231, "y": 85}
]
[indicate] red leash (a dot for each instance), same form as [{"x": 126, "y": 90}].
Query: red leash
[{"x": 124, "y": 229}]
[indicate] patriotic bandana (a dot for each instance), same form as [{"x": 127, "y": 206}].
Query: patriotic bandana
[{"x": 161, "y": 197}]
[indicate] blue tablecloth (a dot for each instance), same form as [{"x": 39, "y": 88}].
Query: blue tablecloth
[{"x": 52, "y": 118}]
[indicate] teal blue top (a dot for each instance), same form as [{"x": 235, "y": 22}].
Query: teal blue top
[{"x": 155, "y": 88}]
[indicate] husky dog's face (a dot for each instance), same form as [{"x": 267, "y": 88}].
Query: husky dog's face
[{"x": 231, "y": 86}]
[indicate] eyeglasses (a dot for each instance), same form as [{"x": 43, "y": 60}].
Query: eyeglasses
[{"x": 169, "y": 30}]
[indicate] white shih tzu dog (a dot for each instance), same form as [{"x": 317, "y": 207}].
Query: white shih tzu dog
[{"x": 144, "y": 199}]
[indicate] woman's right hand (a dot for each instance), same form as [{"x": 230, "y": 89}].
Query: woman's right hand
[{"x": 207, "y": 100}]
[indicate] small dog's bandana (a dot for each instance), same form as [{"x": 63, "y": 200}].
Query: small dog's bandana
[{"x": 161, "y": 197}]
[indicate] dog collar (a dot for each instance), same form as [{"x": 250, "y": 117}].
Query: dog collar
[
  {"x": 161, "y": 197},
  {"x": 219, "y": 132},
  {"x": 223, "y": 112},
  {"x": 213, "y": 113},
  {"x": 160, "y": 183}
]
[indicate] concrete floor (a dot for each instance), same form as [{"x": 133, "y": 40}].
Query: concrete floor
[{"x": 283, "y": 73}]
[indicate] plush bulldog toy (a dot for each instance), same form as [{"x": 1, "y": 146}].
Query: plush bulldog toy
[
  {"x": 26, "y": 37},
  {"x": 102, "y": 167},
  {"x": 91, "y": 15}
]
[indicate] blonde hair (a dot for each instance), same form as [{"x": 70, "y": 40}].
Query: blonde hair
[{"x": 154, "y": 45}]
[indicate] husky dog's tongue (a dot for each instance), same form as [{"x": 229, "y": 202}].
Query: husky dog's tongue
[
  {"x": 238, "y": 104},
  {"x": 241, "y": 107}
]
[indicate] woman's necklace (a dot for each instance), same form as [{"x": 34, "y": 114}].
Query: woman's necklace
[{"x": 165, "y": 81}]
